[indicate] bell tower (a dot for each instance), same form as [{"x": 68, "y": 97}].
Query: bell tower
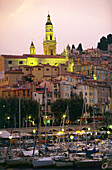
[
  {"x": 32, "y": 48},
  {"x": 49, "y": 43}
]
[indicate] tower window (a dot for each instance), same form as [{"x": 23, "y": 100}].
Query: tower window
[
  {"x": 51, "y": 52},
  {"x": 50, "y": 37},
  {"x": 20, "y": 62},
  {"x": 9, "y": 62},
  {"x": 39, "y": 68}
]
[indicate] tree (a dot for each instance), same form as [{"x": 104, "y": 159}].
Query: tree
[
  {"x": 107, "y": 118},
  {"x": 79, "y": 48},
  {"x": 75, "y": 108},
  {"x": 109, "y": 38},
  {"x": 103, "y": 44},
  {"x": 10, "y": 108}
]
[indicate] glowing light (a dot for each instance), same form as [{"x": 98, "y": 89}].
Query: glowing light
[
  {"x": 71, "y": 137},
  {"x": 108, "y": 132},
  {"x": 33, "y": 123},
  {"x": 34, "y": 131},
  {"x": 59, "y": 133},
  {"x": 0, "y": 132},
  {"x": 88, "y": 128},
  {"x": 8, "y": 118},
  {"x": 29, "y": 117},
  {"x": 10, "y": 137},
  {"x": 110, "y": 126},
  {"x": 94, "y": 77},
  {"x": 64, "y": 116},
  {"x": 62, "y": 130}
]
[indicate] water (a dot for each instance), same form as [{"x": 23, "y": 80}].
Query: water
[{"x": 53, "y": 168}]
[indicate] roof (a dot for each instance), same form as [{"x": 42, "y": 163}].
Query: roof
[
  {"x": 14, "y": 56},
  {"x": 43, "y": 56},
  {"x": 14, "y": 72},
  {"x": 30, "y": 75}
]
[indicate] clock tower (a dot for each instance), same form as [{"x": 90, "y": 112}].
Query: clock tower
[{"x": 49, "y": 43}]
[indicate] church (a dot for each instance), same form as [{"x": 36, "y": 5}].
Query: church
[{"x": 32, "y": 59}]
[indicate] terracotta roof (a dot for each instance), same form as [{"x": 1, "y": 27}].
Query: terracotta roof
[
  {"x": 14, "y": 56},
  {"x": 39, "y": 92},
  {"x": 43, "y": 56},
  {"x": 7, "y": 90},
  {"x": 30, "y": 75},
  {"x": 22, "y": 88},
  {"x": 14, "y": 72}
]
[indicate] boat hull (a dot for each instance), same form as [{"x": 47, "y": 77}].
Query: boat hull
[{"x": 42, "y": 162}]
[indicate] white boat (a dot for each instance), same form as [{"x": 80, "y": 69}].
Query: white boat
[
  {"x": 64, "y": 162},
  {"x": 42, "y": 162}
]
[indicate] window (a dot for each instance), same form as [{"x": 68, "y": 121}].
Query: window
[
  {"x": 20, "y": 62},
  {"x": 85, "y": 93},
  {"x": 55, "y": 69},
  {"x": 71, "y": 87},
  {"x": 65, "y": 68},
  {"x": 50, "y": 37},
  {"x": 66, "y": 88},
  {"x": 35, "y": 94},
  {"x": 39, "y": 68},
  {"x": 23, "y": 92},
  {"x": 9, "y": 62},
  {"x": 105, "y": 72},
  {"x": 66, "y": 94},
  {"x": 85, "y": 87},
  {"x": 55, "y": 85},
  {"x": 67, "y": 78},
  {"x": 27, "y": 69},
  {"x": 51, "y": 52},
  {"x": 34, "y": 87},
  {"x": 47, "y": 69},
  {"x": 28, "y": 93}
]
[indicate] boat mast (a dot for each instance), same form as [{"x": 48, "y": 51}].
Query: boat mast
[
  {"x": 19, "y": 120},
  {"x": 85, "y": 121},
  {"x": 45, "y": 115}
]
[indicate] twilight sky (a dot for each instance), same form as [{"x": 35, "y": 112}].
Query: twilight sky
[{"x": 74, "y": 22}]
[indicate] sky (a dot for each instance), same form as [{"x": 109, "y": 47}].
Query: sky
[{"x": 74, "y": 22}]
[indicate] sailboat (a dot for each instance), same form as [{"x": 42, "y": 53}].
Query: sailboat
[
  {"x": 65, "y": 160},
  {"x": 93, "y": 160},
  {"x": 18, "y": 157},
  {"x": 45, "y": 161}
]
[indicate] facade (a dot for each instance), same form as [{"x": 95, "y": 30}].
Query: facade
[{"x": 49, "y": 43}]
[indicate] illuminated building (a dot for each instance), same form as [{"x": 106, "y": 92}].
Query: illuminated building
[{"x": 49, "y": 43}]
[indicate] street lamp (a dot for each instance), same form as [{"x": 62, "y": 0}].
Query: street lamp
[{"x": 8, "y": 118}]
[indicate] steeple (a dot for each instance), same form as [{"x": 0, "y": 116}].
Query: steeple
[
  {"x": 48, "y": 20},
  {"x": 49, "y": 43},
  {"x": 32, "y": 48}
]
